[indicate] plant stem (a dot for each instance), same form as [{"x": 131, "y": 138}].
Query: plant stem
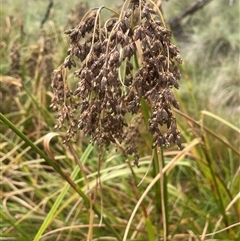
[{"x": 164, "y": 195}]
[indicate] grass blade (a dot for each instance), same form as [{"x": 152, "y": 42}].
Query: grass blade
[
  {"x": 204, "y": 112},
  {"x": 51, "y": 213}
]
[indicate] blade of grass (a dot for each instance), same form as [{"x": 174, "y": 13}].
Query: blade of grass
[
  {"x": 156, "y": 170},
  {"x": 219, "y": 198},
  {"x": 157, "y": 187},
  {"x": 50, "y": 217},
  {"x": 7, "y": 122},
  {"x": 156, "y": 179},
  {"x": 204, "y": 112},
  {"x": 60, "y": 171},
  {"x": 17, "y": 227},
  {"x": 164, "y": 194},
  {"x": 208, "y": 130},
  {"x": 42, "y": 109},
  {"x": 150, "y": 230}
]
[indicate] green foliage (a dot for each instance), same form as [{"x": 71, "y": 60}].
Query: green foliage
[{"x": 51, "y": 191}]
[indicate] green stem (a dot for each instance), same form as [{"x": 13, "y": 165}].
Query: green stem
[
  {"x": 156, "y": 170},
  {"x": 165, "y": 195}
]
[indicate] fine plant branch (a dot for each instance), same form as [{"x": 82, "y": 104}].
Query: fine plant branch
[
  {"x": 46, "y": 16},
  {"x": 175, "y": 21}
]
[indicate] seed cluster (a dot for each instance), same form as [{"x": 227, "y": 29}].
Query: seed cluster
[{"x": 122, "y": 63}]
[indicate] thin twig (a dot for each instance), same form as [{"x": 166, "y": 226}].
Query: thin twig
[
  {"x": 46, "y": 16},
  {"x": 192, "y": 8}
]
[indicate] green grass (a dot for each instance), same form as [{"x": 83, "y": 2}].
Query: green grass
[{"x": 50, "y": 191}]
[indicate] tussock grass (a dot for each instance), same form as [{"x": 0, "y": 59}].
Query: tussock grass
[
  {"x": 210, "y": 49},
  {"x": 50, "y": 191}
]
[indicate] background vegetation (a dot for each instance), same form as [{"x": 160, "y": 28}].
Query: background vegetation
[{"x": 194, "y": 192}]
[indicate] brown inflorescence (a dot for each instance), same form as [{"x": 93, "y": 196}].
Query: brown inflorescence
[{"x": 122, "y": 63}]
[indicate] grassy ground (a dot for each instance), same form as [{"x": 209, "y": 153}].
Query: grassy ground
[{"x": 187, "y": 194}]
